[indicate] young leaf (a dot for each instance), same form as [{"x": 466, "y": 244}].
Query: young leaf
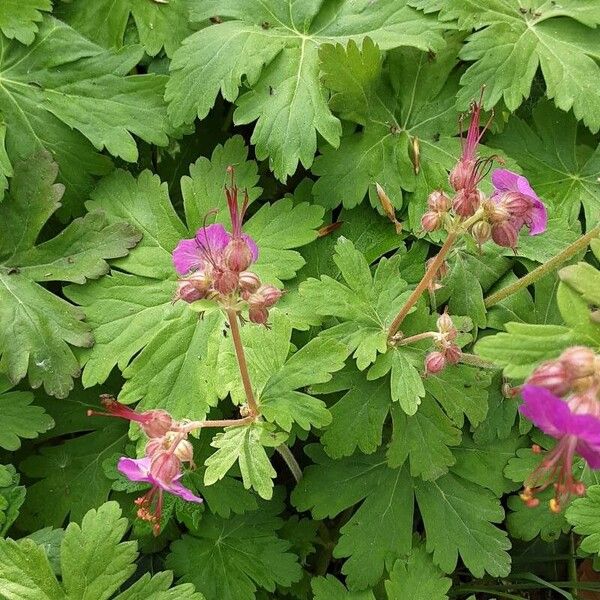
[
  {"x": 230, "y": 559},
  {"x": 12, "y": 496},
  {"x": 20, "y": 19},
  {"x": 330, "y": 588},
  {"x": 582, "y": 514},
  {"x": 19, "y": 418},
  {"x": 412, "y": 104},
  {"x": 94, "y": 562},
  {"x": 511, "y": 42},
  {"x": 526, "y": 522},
  {"x": 63, "y": 89},
  {"x": 161, "y": 346},
  {"x": 417, "y": 578},
  {"x": 246, "y": 446},
  {"x": 40, "y": 327},
  {"x": 277, "y": 52},
  {"x": 104, "y": 22}
]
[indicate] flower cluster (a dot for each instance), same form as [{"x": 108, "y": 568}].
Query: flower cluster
[
  {"x": 447, "y": 352},
  {"x": 562, "y": 398},
  {"x": 512, "y": 205},
  {"x": 165, "y": 453},
  {"x": 214, "y": 265}
]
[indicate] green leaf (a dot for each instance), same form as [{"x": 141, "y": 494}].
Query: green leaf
[
  {"x": 411, "y": 104},
  {"x": 406, "y": 383},
  {"x": 330, "y": 588},
  {"x": 104, "y": 22},
  {"x": 527, "y": 523},
  {"x": 466, "y": 294},
  {"x": 12, "y": 496},
  {"x": 19, "y": 418},
  {"x": 230, "y": 559},
  {"x": 95, "y": 563},
  {"x": 468, "y": 512},
  {"x": 277, "y": 52},
  {"x": 383, "y": 523},
  {"x": 246, "y": 446},
  {"x": 163, "y": 348},
  {"x": 582, "y": 514},
  {"x": 366, "y": 305},
  {"x": 417, "y": 578},
  {"x": 39, "y": 327},
  {"x": 20, "y": 20},
  {"x": 557, "y": 160},
  {"x": 63, "y": 89},
  {"x": 511, "y": 42},
  {"x": 584, "y": 279}
]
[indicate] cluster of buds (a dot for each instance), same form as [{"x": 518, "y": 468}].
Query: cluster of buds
[
  {"x": 165, "y": 453},
  {"x": 447, "y": 352},
  {"x": 214, "y": 265},
  {"x": 562, "y": 398},
  {"x": 512, "y": 205}
]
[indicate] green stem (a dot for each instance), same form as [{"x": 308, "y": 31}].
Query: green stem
[
  {"x": 544, "y": 269},
  {"x": 243, "y": 365},
  {"x": 429, "y": 276},
  {"x": 192, "y": 425},
  {"x": 475, "y": 361},
  {"x": 572, "y": 566},
  {"x": 290, "y": 461},
  {"x": 417, "y": 338}
]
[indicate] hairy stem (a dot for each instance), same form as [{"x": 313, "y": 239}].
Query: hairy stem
[
  {"x": 475, "y": 361},
  {"x": 192, "y": 425},
  {"x": 544, "y": 269},
  {"x": 413, "y": 339},
  {"x": 290, "y": 461},
  {"x": 241, "y": 358},
  {"x": 429, "y": 276}
]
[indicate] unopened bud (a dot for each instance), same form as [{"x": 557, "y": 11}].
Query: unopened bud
[
  {"x": 225, "y": 282},
  {"x": 156, "y": 423},
  {"x": 438, "y": 201},
  {"x": 185, "y": 452},
  {"x": 434, "y": 362},
  {"x": 461, "y": 174},
  {"x": 266, "y": 296},
  {"x": 452, "y": 354},
  {"x": 237, "y": 255},
  {"x": 505, "y": 234},
  {"x": 444, "y": 323},
  {"x": 481, "y": 232},
  {"x": 388, "y": 207},
  {"x": 258, "y": 315},
  {"x": 580, "y": 361},
  {"x": 187, "y": 292},
  {"x": 466, "y": 202},
  {"x": 165, "y": 467},
  {"x": 554, "y": 376},
  {"x": 431, "y": 221},
  {"x": 249, "y": 282},
  {"x": 516, "y": 204}
]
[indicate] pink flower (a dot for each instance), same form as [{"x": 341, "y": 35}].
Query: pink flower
[
  {"x": 202, "y": 251},
  {"x": 575, "y": 422},
  {"x": 513, "y": 192},
  {"x": 163, "y": 474}
]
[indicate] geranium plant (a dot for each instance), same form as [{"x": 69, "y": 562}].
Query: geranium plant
[{"x": 299, "y": 300}]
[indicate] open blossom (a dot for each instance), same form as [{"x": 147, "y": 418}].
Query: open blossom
[
  {"x": 163, "y": 474},
  {"x": 575, "y": 423}
]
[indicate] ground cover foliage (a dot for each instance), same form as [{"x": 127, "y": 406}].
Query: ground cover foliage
[{"x": 359, "y": 470}]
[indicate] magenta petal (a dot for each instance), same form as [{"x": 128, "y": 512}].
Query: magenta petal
[
  {"x": 135, "y": 469},
  {"x": 187, "y": 257},
  {"x": 252, "y": 245},
  {"x": 590, "y": 452},
  {"x": 180, "y": 490},
  {"x": 504, "y": 180},
  {"x": 212, "y": 239},
  {"x": 539, "y": 217},
  {"x": 545, "y": 410}
]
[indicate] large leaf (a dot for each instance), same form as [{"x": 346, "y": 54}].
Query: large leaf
[
  {"x": 512, "y": 41},
  {"x": 40, "y": 328},
  {"x": 161, "y": 346},
  {"x": 63, "y": 89},
  {"x": 94, "y": 562},
  {"x": 276, "y": 49},
  {"x": 19, "y": 19}
]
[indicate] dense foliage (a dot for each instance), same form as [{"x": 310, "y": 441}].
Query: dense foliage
[{"x": 358, "y": 436}]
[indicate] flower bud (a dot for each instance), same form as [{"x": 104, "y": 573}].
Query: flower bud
[
  {"x": 466, "y": 202},
  {"x": 165, "y": 467},
  {"x": 237, "y": 255},
  {"x": 226, "y": 282},
  {"x": 444, "y": 323},
  {"x": 505, "y": 234},
  {"x": 438, "y": 201},
  {"x": 431, "y": 221},
  {"x": 461, "y": 174},
  {"x": 434, "y": 362},
  {"x": 579, "y": 361},
  {"x": 481, "y": 232},
  {"x": 156, "y": 423},
  {"x": 258, "y": 315},
  {"x": 266, "y": 296},
  {"x": 553, "y": 376},
  {"x": 185, "y": 452},
  {"x": 249, "y": 282},
  {"x": 187, "y": 292},
  {"x": 452, "y": 354}
]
